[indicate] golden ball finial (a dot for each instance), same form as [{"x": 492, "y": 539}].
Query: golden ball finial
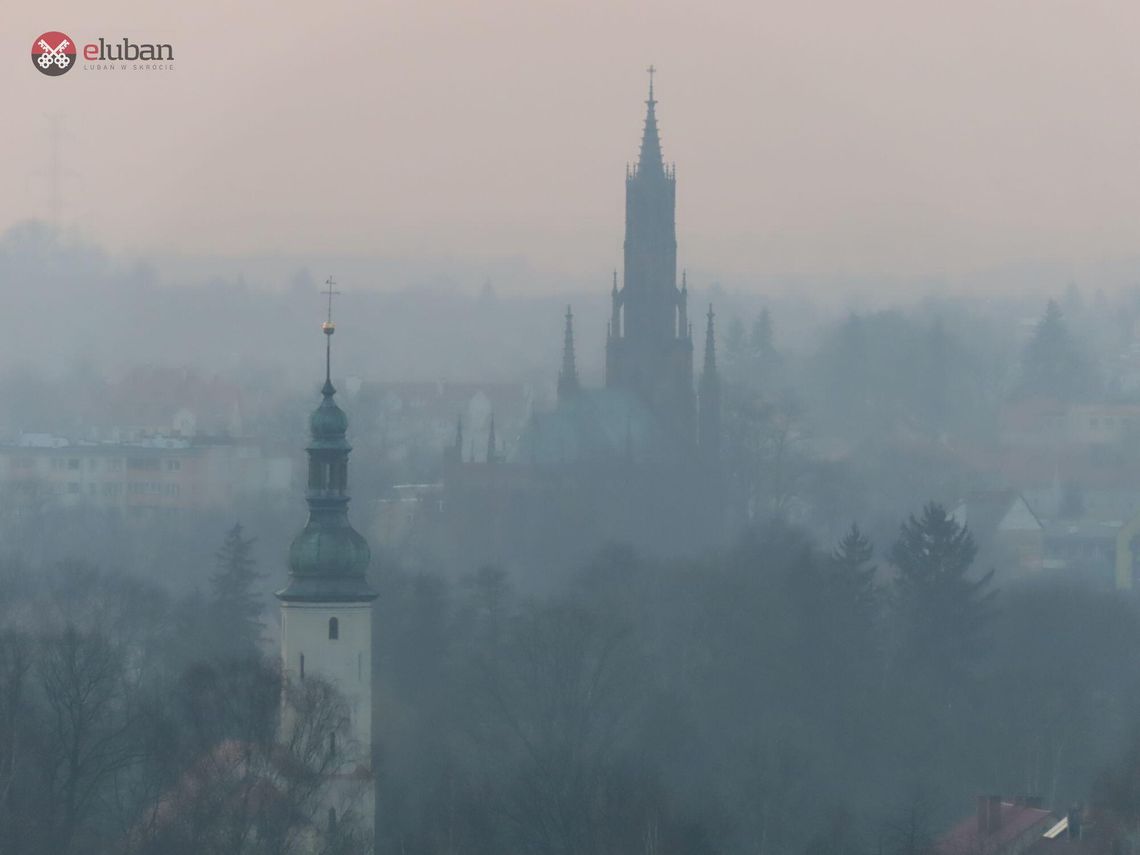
[{"x": 328, "y": 327}]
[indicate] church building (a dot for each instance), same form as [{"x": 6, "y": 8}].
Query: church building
[
  {"x": 326, "y": 611},
  {"x": 637, "y": 461}
]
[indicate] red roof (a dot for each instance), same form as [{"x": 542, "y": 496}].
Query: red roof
[{"x": 1018, "y": 826}]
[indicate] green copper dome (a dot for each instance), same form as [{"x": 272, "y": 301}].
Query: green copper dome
[{"x": 327, "y": 561}]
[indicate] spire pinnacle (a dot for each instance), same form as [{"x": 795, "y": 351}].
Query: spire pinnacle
[
  {"x": 568, "y": 376},
  {"x": 650, "y": 158},
  {"x": 708, "y": 414}
]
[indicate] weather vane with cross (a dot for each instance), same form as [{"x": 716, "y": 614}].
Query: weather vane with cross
[{"x": 328, "y": 326}]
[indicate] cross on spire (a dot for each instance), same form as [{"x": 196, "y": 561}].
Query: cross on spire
[
  {"x": 328, "y": 328},
  {"x": 330, "y": 293}
]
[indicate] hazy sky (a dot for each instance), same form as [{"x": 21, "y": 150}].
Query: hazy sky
[{"x": 825, "y": 138}]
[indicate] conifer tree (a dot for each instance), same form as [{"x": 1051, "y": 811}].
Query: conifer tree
[
  {"x": 942, "y": 610},
  {"x": 235, "y": 607},
  {"x": 1052, "y": 364},
  {"x": 855, "y": 574}
]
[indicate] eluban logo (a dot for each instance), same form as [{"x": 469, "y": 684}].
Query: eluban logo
[
  {"x": 53, "y": 53},
  {"x": 126, "y": 51}
]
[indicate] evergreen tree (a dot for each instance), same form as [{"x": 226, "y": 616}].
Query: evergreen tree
[
  {"x": 234, "y": 606},
  {"x": 1052, "y": 364},
  {"x": 942, "y": 611},
  {"x": 854, "y": 572}
]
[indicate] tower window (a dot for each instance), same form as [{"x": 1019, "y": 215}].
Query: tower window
[
  {"x": 332, "y": 820},
  {"x": 334, "y": 629},
  {"x": 302, "y": 666}
]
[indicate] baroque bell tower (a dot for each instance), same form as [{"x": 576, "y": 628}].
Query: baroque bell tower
[
  {"x": 326, "y": 608},
  {"x": 649, "y": 349}
]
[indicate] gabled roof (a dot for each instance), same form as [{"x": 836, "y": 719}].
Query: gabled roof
[
  {"x": 1015, "y": 823},
  {"x": 985, "y": 510}
]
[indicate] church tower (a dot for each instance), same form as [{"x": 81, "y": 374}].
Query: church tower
[
  {"x": 326, "y": 608},
  {"x": 649, "y": 350}
]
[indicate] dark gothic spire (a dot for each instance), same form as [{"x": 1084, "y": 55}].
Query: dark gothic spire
[
  {"x": 327, "y": 559},
  {"x": 650, "y": 159},
  {"x": 568, "y": 376},
  {"x": 708, "y": 414}
]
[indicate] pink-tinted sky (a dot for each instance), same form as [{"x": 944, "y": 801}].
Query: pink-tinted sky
[{"x": 898, "y": 136}]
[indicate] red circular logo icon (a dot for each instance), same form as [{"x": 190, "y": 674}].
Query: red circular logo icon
[{"x": 53, "y": 53}]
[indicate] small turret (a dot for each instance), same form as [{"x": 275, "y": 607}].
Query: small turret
[
  {"x": 708, "y": 391},
  {"x": 568, "y": 375}
]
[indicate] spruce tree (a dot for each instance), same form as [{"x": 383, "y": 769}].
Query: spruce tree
[
  {"x": 1052, "y": 365},
  {"x": 235, "y": 607},
  {"x": 854, "y": 574},
  {"x": 942, "y": 610}
]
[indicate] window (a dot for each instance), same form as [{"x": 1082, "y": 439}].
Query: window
[
  {"x": 332, "y": 743},
  {"x": 332, "y": 820},
  {"x": 73, "y": 487},
  {"x": 334, "y": 629},
  {"x": 302, "y": 666},
  {"x": 73, "y": 463}
]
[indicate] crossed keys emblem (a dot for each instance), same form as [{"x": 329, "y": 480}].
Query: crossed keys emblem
[{"x": 54, "y": 55}]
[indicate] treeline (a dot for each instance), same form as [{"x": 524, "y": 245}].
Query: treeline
[
  {"x": 779, "y": 697},
  {"x": 775, "y": 698}
]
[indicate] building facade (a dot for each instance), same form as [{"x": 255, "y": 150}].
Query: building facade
[{"x": 155, "y": 472}]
